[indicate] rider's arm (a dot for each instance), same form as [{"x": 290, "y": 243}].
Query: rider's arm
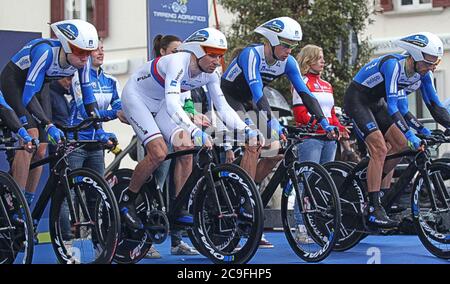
[
  {"x": 311, "y": 103},
  {"x": 172, "y": 94},
  {"x": 409, "y": 117},
  {"x": 391, "y": 70},
  {"x": 429, "y": 95},
  {"x": 249, "y": 61},
  {"x": 89, "y": 101},
  {"x": 41, "y": 59},
  {"x": 228, "y": 115},
  {"x": 8, "y": 115},
  {"x": 116, "y": 103}
]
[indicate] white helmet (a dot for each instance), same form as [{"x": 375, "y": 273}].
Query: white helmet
[
  {"x": 282, "y": 27},
  {"x": 421, "y": 43},
  {"x": 76, "y": 33},
  {"x": 207, "y": 40}
]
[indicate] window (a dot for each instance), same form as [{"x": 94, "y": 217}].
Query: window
[
  {"x": 79, "y": 9},
  {"x": 93, "y": 11},
  {"x": 412, "y": 5}
]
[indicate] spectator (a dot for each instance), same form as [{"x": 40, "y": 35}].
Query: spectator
[{"x": 319, "y": 150}]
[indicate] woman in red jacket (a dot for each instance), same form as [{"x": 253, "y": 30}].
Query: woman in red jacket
[{"x": 319, "y": 150}]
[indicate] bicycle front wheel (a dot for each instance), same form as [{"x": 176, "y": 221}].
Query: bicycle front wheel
[
  {"x": 16, "y": 225},
  {"x": 314, "y": 229},
  {"x": 94, "y": 234},
  {"x": 229, "y": 218},
  {"x": 430, "y": 210}
]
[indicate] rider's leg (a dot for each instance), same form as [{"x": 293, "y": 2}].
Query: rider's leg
[
  {"x": 397, "y": 143},
  {"x": 156, "y": 153},
  {"x": 20, "y": 167},
  {"x": 250, "y": 160},
  {"x": 378, "y": 150},
  {"x": 35, "y": 174},
  {"x": 266, "y": 164},
  {"x": 183, "y": 166}
]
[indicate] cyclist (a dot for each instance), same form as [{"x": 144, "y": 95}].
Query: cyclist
[
  {"x": 23, "y": 79},
  {"x": 151, "y": 101},
  {"x": 254, "y": 67},
  {"x": 377, "y": 101},
  {"x": 258, "y": 65}
]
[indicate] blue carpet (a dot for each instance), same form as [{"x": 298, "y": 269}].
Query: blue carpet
[{"x": 373, "y": 249}]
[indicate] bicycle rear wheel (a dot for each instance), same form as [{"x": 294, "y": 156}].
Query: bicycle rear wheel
[
  {"x": 313, "y": 231},
  {"x": 16, "y": 225},
  {"x": 432, "y": 223},
  {"x": 94, "y": 236},
  {"x": 228, "y": 235}
]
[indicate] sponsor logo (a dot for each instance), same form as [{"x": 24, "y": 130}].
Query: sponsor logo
[
  {"x": 68, "y": 30},
  {"x": 173, "y": 83},
  {"x": 139, "y": 126},
  {"x": 371, "y": 125},
  {"x": 144, "y": 77},
  {"x": 275, "y": 26},
  {"x": 199, "y": 36},
  {"x": 417, "y": 40}
]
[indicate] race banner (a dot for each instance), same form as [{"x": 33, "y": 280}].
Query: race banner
[{"x": 175, "y": 17}]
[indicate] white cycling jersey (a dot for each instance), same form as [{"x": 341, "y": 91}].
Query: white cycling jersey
[{"x": 154, "y": 90}]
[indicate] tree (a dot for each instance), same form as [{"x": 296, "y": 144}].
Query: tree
[{"x": 324, "y": 23}]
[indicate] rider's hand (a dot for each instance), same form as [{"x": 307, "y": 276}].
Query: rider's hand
[
  {"x": 54, "y": 134},
  {"x": 254, "y": 137},
  {"x": 201, "y": 120},
  {"x": 425, "y": 131},
  {"x": 276, "y": 130},
  {"x": 413, "y": 141},
  {"x": 229, "y": 156},
  {"x": 201, "y": 139},
  {"x": 105, "y": 137},
  {"x": 344, "y": 133},
  {"x": 28, "y": 141},
  {"x": 332, "y": 131}
]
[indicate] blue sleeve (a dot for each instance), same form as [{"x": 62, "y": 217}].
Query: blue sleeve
[
  {"x": 428, "y": 91},
  {"x": 391, "y": 70},
  {"x": 86, "y": 83},
  {"x": 309, "y": 100},
  {"x": 115, "y": 103},
  {"x": 41, "y": 59},
  {"x": 249, "y": 62},
  {"x": 431, "y": 99}
]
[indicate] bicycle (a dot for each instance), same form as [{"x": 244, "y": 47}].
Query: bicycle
[
  {"x": 92, "y": 232},
  {"x": 224, "y": 203},
  {"x": 430, "y": 199},
  {"x": 313, "y": 190},
  {"x": 16, "y": 225}
]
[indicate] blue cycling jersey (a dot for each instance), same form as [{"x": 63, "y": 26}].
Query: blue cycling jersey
[
  {"x": 106, "y": 93},
  {"x": 249, "y": 72},
  {"x": 386, "y": 77},
  {"x": 40, "y": 60}
]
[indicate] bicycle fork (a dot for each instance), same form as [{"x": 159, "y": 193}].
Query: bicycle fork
[
  {"x": 210, "y": 181},
  {"x": 75, "y": 218},
  {"x": 435, "y": 183}
]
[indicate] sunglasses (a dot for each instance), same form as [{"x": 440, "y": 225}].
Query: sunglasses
[
  {"x": 213, "y": 51},
  {"x": 429, "y": 63},
  {"x": 288, "y": 44},
  {"x": 80, "y": 52}
]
